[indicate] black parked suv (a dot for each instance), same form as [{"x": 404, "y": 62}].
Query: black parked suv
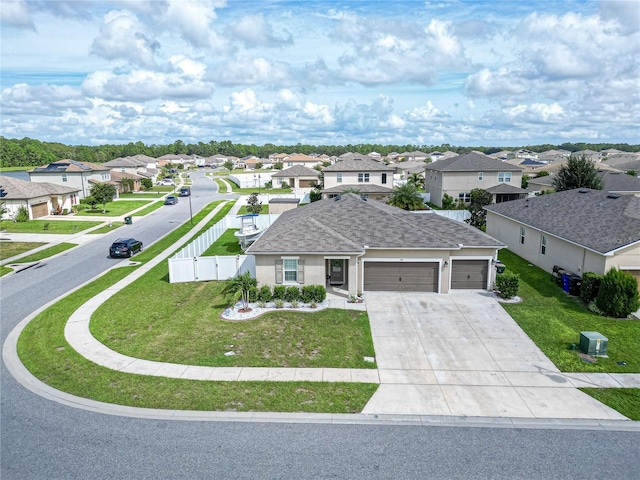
[{"x": 125, "y": 247}]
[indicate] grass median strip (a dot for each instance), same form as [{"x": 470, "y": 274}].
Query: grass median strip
[
  {"x": 151, "y": 208},
  {"x": 66, "y": 227},
  {"x": 624, "y": 400},
  {"x": 11, "y": 249},
  {"x": 47, "y": 252},
  {"x": 44, "y": 351},
  {"x": 113, "y": 209},
  {"x": 106, "y": 229}
]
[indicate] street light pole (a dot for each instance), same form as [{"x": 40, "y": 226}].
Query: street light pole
[{"x": 258, "y": 184}]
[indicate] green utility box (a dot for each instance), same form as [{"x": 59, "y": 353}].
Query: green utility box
[
  {"x": 128, "y": 219},
  {"x": 500, "y": 267},
  {"x": 593, "y": 343}
]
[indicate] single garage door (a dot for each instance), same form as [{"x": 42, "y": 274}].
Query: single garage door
[
  {"x": 39, "y": 210},
  {"x": 306, "y": 183},
  {"x": 469, "y": 274},
  {"x": 401, "y": 276}
]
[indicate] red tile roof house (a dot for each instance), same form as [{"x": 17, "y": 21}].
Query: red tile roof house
[
  {"x": 362, "y": 246},
  {"x": 72, "y": 174},
  {"x": 40, "y": 198}
]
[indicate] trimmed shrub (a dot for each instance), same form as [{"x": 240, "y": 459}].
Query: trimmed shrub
[
  {"x": 507, "y": 284},
  {"x": 253, "y": 294},
  {"x": 264, "y": 294},
  {"x": 590, "y": 286},
  {"x": 279, "y": 292},
  {"x": 292, "y": 294},
  {"x": 22, "y": 215},
  {"x": 308, "y": 293},
  {"x": 319, "y": 293},
  {"x": 618, "y": 294}
]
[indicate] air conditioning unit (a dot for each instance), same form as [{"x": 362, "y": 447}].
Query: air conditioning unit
[{"x": 593, "y": 343}]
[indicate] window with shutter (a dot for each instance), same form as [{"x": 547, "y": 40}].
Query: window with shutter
[
  {"x": 300, "y": 271},
  {"x": 278, "y": 271}
]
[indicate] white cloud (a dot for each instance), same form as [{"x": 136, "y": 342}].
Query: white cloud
[
  {"x": 254, "y": 31},
  {"x": 193, "y": 19},
  {"x": 252, "y": 71},
  {"x": 16, "y": 13},
  {"x": 502, "y": 82},
  {"x": 122, "y": 36}
]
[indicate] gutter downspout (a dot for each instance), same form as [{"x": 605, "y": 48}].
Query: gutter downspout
[{"x": 364, "y": 250}]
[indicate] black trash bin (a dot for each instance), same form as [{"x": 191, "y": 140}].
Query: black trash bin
[
  {"x": 575, "y": 283},
  {"x": 128, "y": 220}
]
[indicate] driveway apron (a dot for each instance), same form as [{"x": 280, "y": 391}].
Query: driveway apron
[{"x": 462, "y": 354}]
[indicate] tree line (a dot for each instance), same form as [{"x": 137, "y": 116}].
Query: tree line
[{"x": 30, "y": 152}]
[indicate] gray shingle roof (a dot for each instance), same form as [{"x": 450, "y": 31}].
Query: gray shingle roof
[
  {"x": 361, "y": 187},
  {"x": 358, "y": 165},
  {"x": 17, "y": 189},
  {"x": 592, "y": 219},
  {"x": 506, "y": 188},
  {"x": 348, "y": 224},
  {"x": 472, "y": 162},
  {"x": 297, "y": 171}
]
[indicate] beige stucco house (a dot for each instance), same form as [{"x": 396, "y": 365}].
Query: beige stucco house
[
  {"x": 40, "y": 198},
  {"x": 457, "y": 176},
  {"x": 72, "y": 174},
  {"x": 297, "y": 177},
  {"x": 580, "y": 230},
  {"x": 361, "y": 246},
  {"x": 372, "y": 179}
]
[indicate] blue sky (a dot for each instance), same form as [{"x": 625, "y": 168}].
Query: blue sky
[{"x": 493, "y": 73}]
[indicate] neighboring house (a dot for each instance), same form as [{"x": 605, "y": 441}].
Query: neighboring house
[
  {"x": 415, "y": 155},
  {"x": 278, "y": 157},
  {"x": 180, "y": 159},
  {"x": 581, "y": 230},
  {"x": 118, "y": 177},
  {"x": 501, "y": 155},
  {"x": 40, "y": 198},
  {"x": 457, "y": 176},
  {"x": 369, "y": 177},
  {"x": 72, "y": 174},
  {"x": 364, "y": 246},
  {"x": 614, "y": 182},
  {"x": 280, "y": 205},
  {"x": 252, "y": 163},
  {"x": 301, "y": 159},
  {"x": 522, "y": 153},
  {"x": 296, "y": 177},
  {"x": 137, "y": 165}
]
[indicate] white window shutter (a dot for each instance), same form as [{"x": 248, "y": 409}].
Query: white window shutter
[
  {"x": 279, "y": 270},
  {"x": 300, "y": 271}
]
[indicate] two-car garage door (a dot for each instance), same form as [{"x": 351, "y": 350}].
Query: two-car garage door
[{"x": 401, "y": 276}]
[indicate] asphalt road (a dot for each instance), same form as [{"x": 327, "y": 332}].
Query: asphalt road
[{"x": 42, "y": 439}]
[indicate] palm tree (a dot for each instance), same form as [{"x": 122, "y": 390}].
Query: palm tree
[
  {"x": 406, "y": 197},
  {"x": 416, "y": 179},
  {"x": 240, "y": 286}
]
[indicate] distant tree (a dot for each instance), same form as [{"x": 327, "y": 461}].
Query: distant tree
[
  {"x": 579, "y": 172},
  {"x": 542, "y": 173},
  {"x": 448, "y": 203},
  {"x": 479, "y": 199},
  {"x": 103, "y": 193},
  {"x": 254, "y": 205},
  {"x": 228, "y": 165},
  {"x": 278, "y": 166},
  {"x": 406, "y": 197},
  {"x": 3, "y": 210},
  {"x": 259, "y": 165},
  {"x": 127, "y": 184},
  {"x": 633, "y": 173},
  {"x": 525, "y": 181}
]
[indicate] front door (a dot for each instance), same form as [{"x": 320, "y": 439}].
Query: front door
[{"x": 336, "y": 272}]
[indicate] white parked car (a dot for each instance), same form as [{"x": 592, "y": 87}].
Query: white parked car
[{"x": 166, "y": 182}]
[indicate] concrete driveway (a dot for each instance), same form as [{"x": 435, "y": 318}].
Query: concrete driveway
[{"x": 462, "y": 354}]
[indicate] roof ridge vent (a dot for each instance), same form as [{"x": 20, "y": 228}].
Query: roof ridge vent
[
  {"x": 583, "y": 190},
  {"x": 613, "y": 195}
]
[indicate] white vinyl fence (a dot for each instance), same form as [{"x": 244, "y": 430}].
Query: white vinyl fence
[
  {"x": 188, "y": 265},
  {"x": 458, "y": 215}
]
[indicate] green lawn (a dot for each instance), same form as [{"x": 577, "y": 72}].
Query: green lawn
[
  {"x": 141, "y": 195},
  {"x": 45, "y": 352},
  {"x": 227, "y": 244},
  {"x": 554, "y": 321},
  {"x": 47, "y": 252},
  {"x": 264, "y": 208},
  {"x": 10, "y": 249},
  {"x": 151, "y": 208},
  {"x": 53, "y": 226},
  {"x": 113, "y": 209},
  {"x": 17, "y": 169},
  {"x": 624, "y": 400},
  {"x": 107, "y": 228},
  {"x": 162, "y": 188},
  {"x": 4, "y": 270}
]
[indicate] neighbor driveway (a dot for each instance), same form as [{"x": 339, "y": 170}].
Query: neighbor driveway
[{"x": 462, "y": 354}]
